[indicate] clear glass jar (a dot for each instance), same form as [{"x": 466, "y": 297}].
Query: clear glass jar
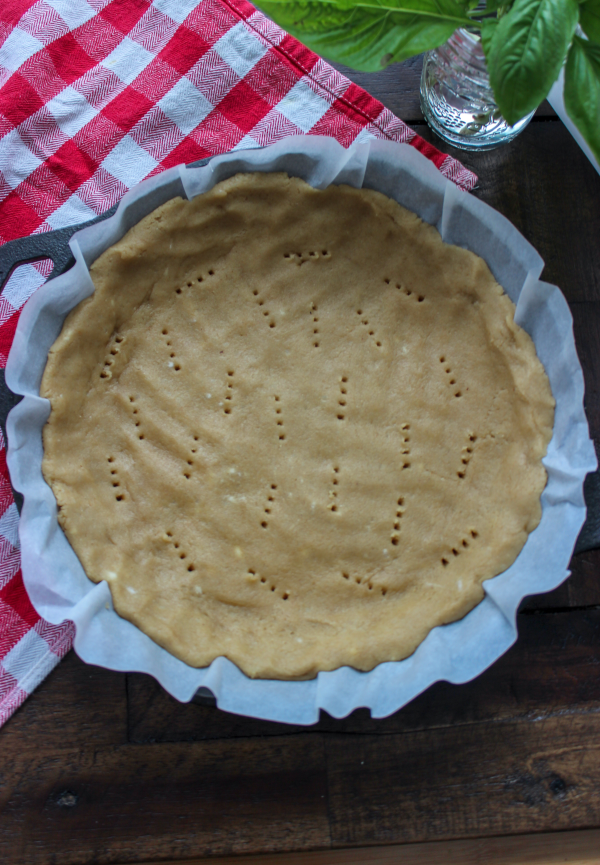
[{"x": 456, "y": 97}]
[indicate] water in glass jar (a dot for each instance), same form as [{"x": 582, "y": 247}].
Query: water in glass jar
[{"x": 456, "y": 97}]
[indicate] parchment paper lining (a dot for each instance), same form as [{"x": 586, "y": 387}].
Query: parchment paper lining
[{"x": 55, "y": 580}]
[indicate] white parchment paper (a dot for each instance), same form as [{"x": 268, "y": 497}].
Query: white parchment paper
[{"x": 55, "y": 580}]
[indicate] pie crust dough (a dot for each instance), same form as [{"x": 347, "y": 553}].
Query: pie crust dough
[{"x": 293, "y": 428}]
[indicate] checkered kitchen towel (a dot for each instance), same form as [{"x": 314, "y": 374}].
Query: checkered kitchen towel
[{"x": 96, "y": 95}]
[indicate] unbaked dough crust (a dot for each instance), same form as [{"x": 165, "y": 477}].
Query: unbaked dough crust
[{"x": 293, "y": 428}]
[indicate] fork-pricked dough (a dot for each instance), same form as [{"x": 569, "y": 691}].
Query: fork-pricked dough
[{"x": 294, "y": 428}]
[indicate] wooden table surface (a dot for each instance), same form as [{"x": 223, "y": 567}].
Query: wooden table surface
[{"x": 102, "y": 767}]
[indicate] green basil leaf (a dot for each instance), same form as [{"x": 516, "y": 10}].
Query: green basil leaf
[
  {"x": 494, "y": 5},
  {"x": 527, "y": 52},
  {"x": 582, "y": 90},
  {"x": 369, "y": 34},
  {"x": 488, "y": 28},
  {"x": 589, "y": 18}
]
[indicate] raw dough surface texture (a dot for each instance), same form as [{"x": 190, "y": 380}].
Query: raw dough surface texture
[{"x": 294, "y": 428}]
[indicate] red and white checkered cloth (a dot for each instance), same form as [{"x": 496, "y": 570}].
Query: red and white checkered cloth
[{"x": 96, "y": 95}]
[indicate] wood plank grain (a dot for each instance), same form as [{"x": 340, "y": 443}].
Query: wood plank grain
[
  {"x": 558, "y": 599},
  {"x": 397, "y": 87},
  {"x": 129, "y": 803},
  {"x": 569, "y": 848},
  {"x": 586, "y": 328},
  {"x": 488, "y": 779},
  {"x": 584, "y": 583},
  {"x": 74, "y": 705},
  {"x": 551, "y": 670},
  {"x": 582, "y": 589},
  {"x": 140, "y": 803}
]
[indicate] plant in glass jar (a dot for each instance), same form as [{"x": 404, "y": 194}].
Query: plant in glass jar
[{"x": 514, "y": 48}]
